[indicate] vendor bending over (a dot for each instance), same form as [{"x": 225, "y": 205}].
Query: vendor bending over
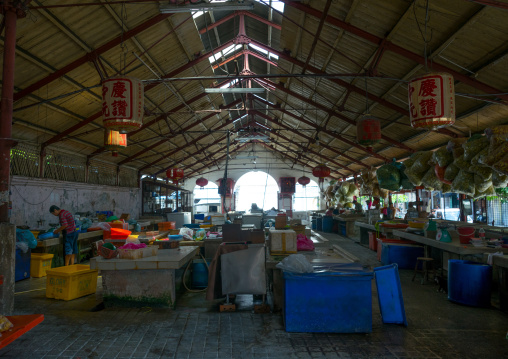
[{"x": 68, "y": 229}]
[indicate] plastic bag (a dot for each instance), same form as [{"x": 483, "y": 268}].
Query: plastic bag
[
  {"x": 5, "y": 323},
  {"x": 499, "y": 180},
  {"x": 421, "y": 165},
  {"x": 133, "y": 246},
  {"x": 500, "y": 132},
  {"x": 187, "y": 233},
  {"x": 481, "y": 185},
  {"x": 451, "y": 172},
  {"x": 442, "y": 157},
  {"x": 295, "y": 263},
  {"x": 200, "y": 234},
  {"x": 388, "y": 177},
  {"x": 461, "y": 163},
  {"x": 464, "y": 183},
  {"x": 24, "y": 235},
  {"x": 501, "y": 165},
  {"x": 473, "y": 146},
  {"x": 485, "y": 173},
  {"x": 23, "y": 246},
  {"x": 440, "y": 172},
  {"x": 494, "y": 155},
  {"x": 132, "y": 239},
  {"x": 303, "y": 243},
  {"x": 454, "y": 146},
  {"x": 430, "y": 180},
  {"x": 102, "y": 225}
]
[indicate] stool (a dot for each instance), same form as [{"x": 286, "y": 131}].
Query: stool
[{"x": 425, "y": 269}]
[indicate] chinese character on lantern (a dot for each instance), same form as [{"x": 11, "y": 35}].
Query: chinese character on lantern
[
  {"x": 122, "y": 104},
  {"x": 431, "y": 101}
]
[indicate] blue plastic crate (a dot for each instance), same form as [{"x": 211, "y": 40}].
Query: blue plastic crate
[
  {"x": 329, "y": 302},
  {"x": 404, "y": 255},
  {"x": 22, "y": 264},
  {"x": 389, "y": 294},
  {"x": 200, "y": 216}
]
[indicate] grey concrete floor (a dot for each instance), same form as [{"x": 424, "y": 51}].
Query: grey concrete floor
[{"x": 437, "y": 328}]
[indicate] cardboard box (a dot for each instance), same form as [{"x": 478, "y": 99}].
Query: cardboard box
[
  {"x": 295, "y": 222},
  {"x": 280, "y": 222},
  {"x": 257, "y": 236},
  {"x": 125, "y": 216},
  {"x": 215, "y": 220},
  {"x": 282, "y": 242},
  {"x": 298, "y": 228}
]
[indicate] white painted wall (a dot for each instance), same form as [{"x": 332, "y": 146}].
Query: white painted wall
[{"x": 32, "y": 197}]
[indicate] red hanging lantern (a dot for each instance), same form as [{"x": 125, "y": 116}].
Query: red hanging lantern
[
  {"x": 321, "y": 171},
  {"x": 432, "y": 101},
  {"x": 122, "y": 103},
  {"x": 201, "y": 182},
  {"x": 368, "y": 130},
  {"x": 114, "y": 141},
  {"x": 175, "y": 174},
  {"x": 304, "y": 181}
]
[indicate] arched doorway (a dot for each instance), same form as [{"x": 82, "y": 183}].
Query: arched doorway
[
  {"x": 256, "y": 187},
  {"x": 306, "y": 198},
  {"x": 207, "y": 198}
]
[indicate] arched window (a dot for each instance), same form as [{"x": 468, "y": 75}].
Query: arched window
[
  {"x": 206, "y": 198},
  {"x": 306, "y": 198},
  {"x": 256, "y": 187}
]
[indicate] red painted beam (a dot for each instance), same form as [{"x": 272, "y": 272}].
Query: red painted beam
[
  {"x": 348, "y": 86},
  {"x": 337, "y": 136},
  {"x": 245, "y": 52},
  {"x": 261, "y": 19},
  {"x": 193, "y": 154},
  {"x": 186, "y": 128},
  {"x": 316, "y": 159},
  {"x": 394, "y": 48},
  {"x": 84, "y": 59},
  {"x": 285, "y": 155},
  {"x": 238, "y": 148},
  {"x": 219, "y": 22},
  {"x": 95, "y": 116},
  {"x": 310, "y": 139}
]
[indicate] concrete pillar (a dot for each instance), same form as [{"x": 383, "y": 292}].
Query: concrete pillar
[{"x": 7, "y": 267}]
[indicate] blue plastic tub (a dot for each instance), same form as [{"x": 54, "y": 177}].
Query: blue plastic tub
[
  {"x": 389, "y": 294},
  {"x": 328, "y": 224},
  {"x": 199, "y": 216},
  {"x": 22, "y": 265},
  {"x": 314, "y": 224},
  {"x": 175, "y": 237},
  {"x": 329, "y": 302},
  {"x": 192, "y": 225},
  {"x": 404, "y": 255},
  {"x": 319, "y": 224},
  {"x": 469, "y": 283}
]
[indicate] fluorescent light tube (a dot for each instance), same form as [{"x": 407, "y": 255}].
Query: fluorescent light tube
[
  {"x": 236, "y": 90},
  {"x": 168, "y": 9}
]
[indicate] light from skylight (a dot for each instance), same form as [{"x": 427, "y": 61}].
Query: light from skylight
[
  {"x": 276, "y": 4},
  {"x": 257, "y": 48},
  {"x": 224, "y": 52}
]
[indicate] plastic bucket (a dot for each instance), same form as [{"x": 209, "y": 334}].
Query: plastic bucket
[
  {"x": 465, "y": 234},
  {"x": 327, "y": 224},
  {"x": 469, "y": 283},
  {"x": 199, "y": 274}
]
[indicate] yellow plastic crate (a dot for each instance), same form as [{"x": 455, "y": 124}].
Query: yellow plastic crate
[
  {"x": 40, "y": 262},
  {"x": 70, "y": 282}
]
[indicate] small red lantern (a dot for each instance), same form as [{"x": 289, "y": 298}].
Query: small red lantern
[
  {"x": 175, "y": 174},
  {"x": 201, "y": 182},
  {"x": 304, "y": 181},
  {"x": 432, "y": 101},
  {"x": 368, "y": 130}
]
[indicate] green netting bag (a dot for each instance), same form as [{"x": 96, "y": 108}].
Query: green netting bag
[
  {"x": 480, "y": 184},
  {"x": 431, "y": 182},
  {"x": 499, "y": 180},
  {"x": 461, "y": 163}
]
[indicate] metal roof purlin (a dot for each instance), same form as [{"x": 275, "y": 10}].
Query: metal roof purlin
[
  {"x": 84, "y": 59},
  {"x": 395, "y": 48}
]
